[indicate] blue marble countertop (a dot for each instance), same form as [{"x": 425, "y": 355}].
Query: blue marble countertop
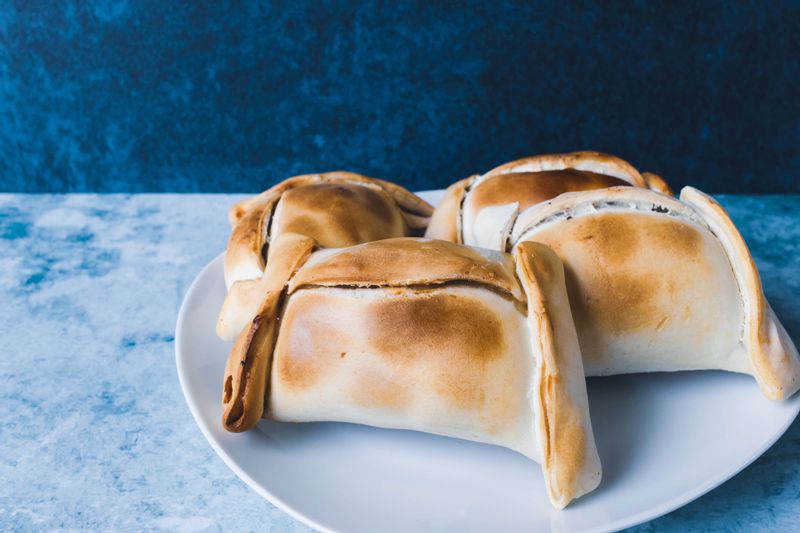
[{"x": 94, "y": 431}]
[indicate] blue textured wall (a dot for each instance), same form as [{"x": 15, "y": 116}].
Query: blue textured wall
[{"x": 175, "y": 96}]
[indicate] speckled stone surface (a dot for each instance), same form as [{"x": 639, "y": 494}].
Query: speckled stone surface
[
  {"x": 153, "y": 95},
  {"x": 94, "y": 430}
]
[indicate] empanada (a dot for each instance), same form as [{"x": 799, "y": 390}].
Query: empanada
[
  {"x": 335, "y": 209},
  {"x": 660, "y": 284},
  {"x": 480, "y": 210},
  {"x": 423, "y": 335}
]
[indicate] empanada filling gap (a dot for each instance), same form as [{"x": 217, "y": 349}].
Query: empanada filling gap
[
  {"x": 267, "y": 232},
  {"x": 509, "y": 232},
  {"x": 460, "y": 218},
  {"x": 587, "y": 208}
]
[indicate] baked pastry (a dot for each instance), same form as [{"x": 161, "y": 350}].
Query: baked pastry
[
  {"x": 480, "y": 210},
  {"x": 335, "y": 209},
  {"x": 661, "y": 284},
  {"x": 423, "y": 335}
]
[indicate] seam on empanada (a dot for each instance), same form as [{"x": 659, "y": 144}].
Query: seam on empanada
[{"x": 521, "y": 305}]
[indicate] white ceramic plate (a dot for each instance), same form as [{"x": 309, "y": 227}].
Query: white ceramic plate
[{"x": 664, "y": 440}]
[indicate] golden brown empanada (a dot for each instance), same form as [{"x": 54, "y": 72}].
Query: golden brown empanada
[
  {"x": 335, "y": 209},
  {"x": 423, "y": 335},
  {"x": 480, "y": 210},
  {"x": 660, "y": 284}
]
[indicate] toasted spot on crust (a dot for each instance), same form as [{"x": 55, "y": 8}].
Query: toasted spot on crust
[
  {"x": 679, "y": 238},
  {"x": 302, "y": 355},
  {"x": 304, "y": 224},
  {"x": 373, "y": 389},
  {"x": 634, "y": 268},
  {"x": 530, "y": 188},
  {"x": 621, "y": 236},
  {"x": 437, "y": 323},
  {"x": 460, "y": 333},
  {"x": 339, "y": 214},
  {"x": 237, "y": 212},
  {"x": 624, "y": 302},
  {"x": 339, "y": 197},
  {"x": 402, "y": 349},
  {"x": 616, "y": 237},
  {"x": 298, "y": 369}
]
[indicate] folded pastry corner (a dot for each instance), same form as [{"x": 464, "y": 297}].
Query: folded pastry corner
[
  {"x": 481, "y": 210},
  {"x": 250, "y": 314},
  {"x": 424, "y": 335},
  {"x": 773, "y": 356},
  {"x": 662, "y": 284},
  {"x": 336, "y": 209},
  {"x": 242, "y": 302},
  {"x": 570, "y": 461}
]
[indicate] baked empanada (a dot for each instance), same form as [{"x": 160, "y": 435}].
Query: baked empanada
[
  {"x": 480, "y": 210},
  {"x": 335, "y": 209},
  {"x": 660, "y": 284},
  {"x": 423, "y": 335}
]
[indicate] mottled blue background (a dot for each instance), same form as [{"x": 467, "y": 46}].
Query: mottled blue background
[{"x": 233, "y": 96}]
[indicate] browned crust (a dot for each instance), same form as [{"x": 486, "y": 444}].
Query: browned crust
[
  {"x": 240, "y": 209},
  {"x": 569, "y": 457},
  {"x": 585, "y": 160},
  {"x": 531, "y": 188},
  {"x": 405, "y": 199},
  {"x": 409, "y": 261},
  {"x": 445, "y": 224},
  {"x": 249, "y": 361},
  {"x": 246, "y": 373},
  {"x": 657, "y": 183},
  {"x": 249, "y": 217}
]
